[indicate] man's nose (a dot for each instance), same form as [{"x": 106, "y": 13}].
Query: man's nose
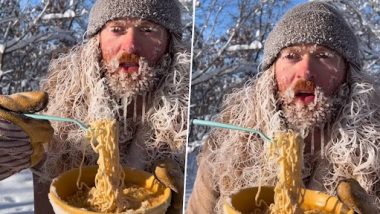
[
  {"x": 130, "y": 41},
  {"x": 305, "y": 68}
]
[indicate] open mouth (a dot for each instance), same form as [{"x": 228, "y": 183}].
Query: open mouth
[
  {"x": 303, "y": 94},
  {"x": 304, "y": 91},
  {"x": 129, "y": 63},
  {"x": 304, "y": 97},
  {"x": 129, "y": 68}
]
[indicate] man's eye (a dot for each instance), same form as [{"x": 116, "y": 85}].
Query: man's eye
[
  {"x": 325, "y": 55},
  {"x": 291, "y": 56},
  {"x": 117, "y": 29},
  {"x": 147, "y": 29}
]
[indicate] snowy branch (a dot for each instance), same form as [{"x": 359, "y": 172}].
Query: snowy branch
[
  {"x": 25, "y": 42},
  {"x": 31, "y": 32},
  {"x": 42, "y": 12},
  {"x": 253, "y": 46},
  {"x": 9, "y": 19},
  {"x": 3, "y": 73},
  {"x": 372, "y": 28},
  {"x": 2, "y": 48},
  {"x": 65, "y": 15}
]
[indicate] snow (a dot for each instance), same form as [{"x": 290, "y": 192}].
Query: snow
[
  {"x": 257, "y": 33},
  {"x": 2, "y": 48},
  {"x": 24, "y": 83},
  {"x": 191, "y": 172},
  {"x": 67, "y": 14},
  {"x": 83, "y": 12},
  {"x": 254, "y": 45},
  {"x": 16, "y": 194}
]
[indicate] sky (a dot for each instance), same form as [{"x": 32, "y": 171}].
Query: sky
[{"x": 225, "y": 17}]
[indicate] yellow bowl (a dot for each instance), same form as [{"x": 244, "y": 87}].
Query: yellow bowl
[
  {"x": 65, "y": 185},
  {"x": 244, "y": 202}
]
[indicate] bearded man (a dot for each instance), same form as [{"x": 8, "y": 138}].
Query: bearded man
[
  {"x": 134, "y": 68},
  {"x": 311, "y": 83}
]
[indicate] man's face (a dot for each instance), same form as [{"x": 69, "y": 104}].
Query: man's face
[
  {"x": 308, "y": 77},
  {"x": 131, "y": 51},
  {"x": 133, "y": 36}
]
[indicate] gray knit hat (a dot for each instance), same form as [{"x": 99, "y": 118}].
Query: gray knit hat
[
  {"x": 313, "y": 23},
  {"x": 167, "y": 13}
]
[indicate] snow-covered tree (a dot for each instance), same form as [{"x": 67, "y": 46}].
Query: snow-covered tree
[
  {"x": 228, "y": 45},
  {"x": 31, "y": 33},
  {"x": 364, "y": 17},
  {"x": 34, "y": 32},
  {"x": 187, "y": 20},
  {"x": 228, "y": 42}
]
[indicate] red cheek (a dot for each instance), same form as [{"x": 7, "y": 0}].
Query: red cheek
[
  {"x": 106, "y": 56},
  {"x": 108, "y": 47},
  {"x": 108, "y": 53},
  {"x": 282, "y": 82}
]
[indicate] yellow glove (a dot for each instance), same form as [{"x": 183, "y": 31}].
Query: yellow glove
[
  {"x": 168, "y": 172},
  {"x": 354, "y": 196},
  {"x": 21, "y": 138}
]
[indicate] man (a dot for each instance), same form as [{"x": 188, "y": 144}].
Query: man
[
  {"x": 134, "y": 68},
  {"x": 311, "y": 83}
]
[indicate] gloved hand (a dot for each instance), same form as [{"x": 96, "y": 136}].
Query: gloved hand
[
  {"x": 21, "y": 138},
  {"x": 168, "y": 172},
  {"x": 354, "y": 196}
]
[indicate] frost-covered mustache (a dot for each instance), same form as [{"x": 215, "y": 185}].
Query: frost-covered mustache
[
  {"x": 124, "y": 59},
  {"x": 129, "y": 58},
  {"x": 303, "y": 87}
]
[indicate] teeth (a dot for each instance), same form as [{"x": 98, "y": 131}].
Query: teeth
[
  {"x": 304, "y": 91},
  {"x": 304, "y": 94},
  {"x": 130, "y": 58},
  {"x": 128, "y": 65}
]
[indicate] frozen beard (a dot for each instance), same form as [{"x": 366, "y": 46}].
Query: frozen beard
[
  {"x": 144, "y": 79},
  {"x": 320, "y": 111}
]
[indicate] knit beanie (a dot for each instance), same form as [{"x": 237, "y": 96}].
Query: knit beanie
[
  {"x": 167, "y": 13},
  {"x": 312, "y": 23}
]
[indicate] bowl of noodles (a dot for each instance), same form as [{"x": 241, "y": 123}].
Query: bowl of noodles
[
  {"x": 311, "y": 202},
  {"x": 288, "y": 196},
  {"x": 108, "y": 187},
  {"x": 142, "y": 193}
]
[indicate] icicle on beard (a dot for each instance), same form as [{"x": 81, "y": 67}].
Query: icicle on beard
[
  {"x": 147, "y": 77},
  {"x": 304, "y": 118},
  {"x": 124, "y": 89}
]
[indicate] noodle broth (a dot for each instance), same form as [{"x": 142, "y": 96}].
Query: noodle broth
[
  {"x": 109, "y": 188},
  {"x": 137, "y": 197},
  {"x": 243, "y": 202},
  {"x": 142, "y": 189},
  {"x": 288, "y": 196}
]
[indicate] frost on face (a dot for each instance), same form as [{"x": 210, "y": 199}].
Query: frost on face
[
  {"x": 304, "y": 117},
  {"x": 157, "y": 52},
  {"x": 144, "y": 80}
]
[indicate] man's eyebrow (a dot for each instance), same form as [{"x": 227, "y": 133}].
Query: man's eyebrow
[
  {"x": 294, "y": 48},
  {"x": 305, "y": 48},
  {"x": 322, "y": 48},
  {"x": 125, "y": 22},
  {"x": 117, "y": 22},
  {"x": 146, "y": 22}
]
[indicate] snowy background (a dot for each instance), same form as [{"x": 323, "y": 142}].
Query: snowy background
[
  {"x": 16, "y": 194},
  {"x": 32, "y": 32},
  {"x": 228, "y": 40},
  {"x": 228, "y": 46}
]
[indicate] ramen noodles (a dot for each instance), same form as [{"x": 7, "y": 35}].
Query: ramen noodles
[
  {"x": 287, "y": 148},
  {"x": 110, "y": 194}
]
